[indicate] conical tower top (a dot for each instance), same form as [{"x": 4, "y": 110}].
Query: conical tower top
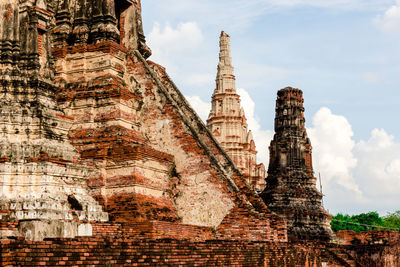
[
  {"x": 225, "y": 77},
  {"x": 225, "y": 58}
]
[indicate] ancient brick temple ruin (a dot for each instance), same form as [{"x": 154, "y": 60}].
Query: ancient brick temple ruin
[
  {"x": 104, "y": 163},
  {"x": 228, "y": 123},
  {"x": 92, "y": 132},
  {"x": 291, "y": 186}
]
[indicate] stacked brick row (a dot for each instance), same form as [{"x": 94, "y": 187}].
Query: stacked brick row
[{"x": 167, "y": 252}]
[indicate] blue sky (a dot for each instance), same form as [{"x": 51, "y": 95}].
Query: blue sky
[{"x": 343, "y": 54}]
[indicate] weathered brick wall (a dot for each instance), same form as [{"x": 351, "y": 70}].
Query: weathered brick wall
[
  {"x": 153, "y": 230},
  {"x": 348, "y": 237},
  {"x": 205, "y": 172},
  {"x": 155, "y": 243},
  {"x": 376, "y": 255},
  {"x": 148, "y": 155},
  {"x": 154, "y": 156},
  {"x": 127, "y": 251}
]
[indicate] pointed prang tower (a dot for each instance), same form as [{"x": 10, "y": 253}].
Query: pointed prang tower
[
  {"x": 228, "y": 123},
  {"x": 291, "y": 186}
]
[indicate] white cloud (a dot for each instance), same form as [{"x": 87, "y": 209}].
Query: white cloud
[
  {"x": 201, "y": 107},
  {"x": 379, "y": 140},
  {"x": 331, "y": 137},
  {"x": 390, "y": 21},
  {"x": 168, "y": 41},
  {"x": 379, "y": 165},
  {"x": 262, "y": 138},
  {"x": 357, "y": 177},
  {"x": 185, "y": 36},
  {"x": 394, "y": 168}
]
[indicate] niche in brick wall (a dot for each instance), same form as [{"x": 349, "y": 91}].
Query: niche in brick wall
[
  {"x": 120, "y": 7},
  {"x": 74, "y": 203}
]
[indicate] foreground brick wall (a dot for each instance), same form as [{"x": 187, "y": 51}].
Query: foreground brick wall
[
  {"x": 115, "y": 248},
  {"x": 348, "y": 237},
  {"x": 156, "y": 243},
  {"x": 102, "y": 251}
]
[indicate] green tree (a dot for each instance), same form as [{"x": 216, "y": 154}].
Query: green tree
[
  {"x": 343, "y": 222},
  {"x": 370, "y": 218},
  {"x": 392, "y": 220},
  {"x": 359, "y": 223}
]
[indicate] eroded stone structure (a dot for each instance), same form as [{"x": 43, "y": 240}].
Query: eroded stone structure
[
  {"x": 228, "y": 122},
  {"x": 92, "y": 132},
  {"x": 291, "y": 186}
]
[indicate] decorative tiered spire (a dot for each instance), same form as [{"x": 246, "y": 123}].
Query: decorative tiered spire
[
  {"x": 227, "y": 120},
  {"x": 291, "y": 186},
  {"x": 225, "y": 77}
]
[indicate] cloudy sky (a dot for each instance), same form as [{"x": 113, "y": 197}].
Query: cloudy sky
[{"x": 343, "y": 54}]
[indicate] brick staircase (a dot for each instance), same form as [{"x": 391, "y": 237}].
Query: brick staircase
[{"x": 343, "y": 257}]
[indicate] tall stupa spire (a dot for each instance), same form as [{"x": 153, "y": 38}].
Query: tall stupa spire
[
  {"x": 228, "y": 123},
  {"x": 225, "y": 77},
  {"x": 291, "y": 186}
]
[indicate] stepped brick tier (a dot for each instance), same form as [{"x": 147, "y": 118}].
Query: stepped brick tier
[
  {"x": 228, "y": 123},
  {"x": 104, "y": 163},
  {"x": 291, "y": 186}
]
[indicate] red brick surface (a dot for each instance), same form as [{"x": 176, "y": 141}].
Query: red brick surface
[
  {"x": 348, "y": 237},
  {"x": 137, "y": 245}
]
